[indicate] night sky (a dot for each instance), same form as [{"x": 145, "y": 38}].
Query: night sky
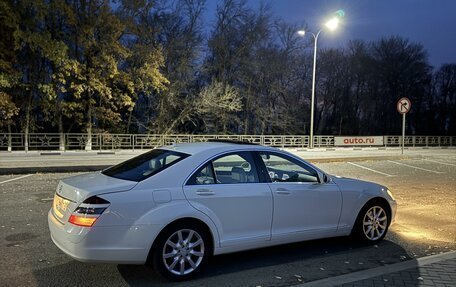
[{"x": 429, "y": 22}]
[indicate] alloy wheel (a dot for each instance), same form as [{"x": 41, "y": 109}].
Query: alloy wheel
[
  {"x": 375, "y": 223},
  {"x": 183, "y": 252}
]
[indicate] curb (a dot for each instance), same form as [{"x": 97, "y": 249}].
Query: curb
[
  {"x": 378, "y": 271},
  {"x": 357, "y": 158},
  {"x": 51, "y": 169}
]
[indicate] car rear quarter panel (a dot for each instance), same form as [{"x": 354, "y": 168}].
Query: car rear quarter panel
[{"x": 151, "y": 204}]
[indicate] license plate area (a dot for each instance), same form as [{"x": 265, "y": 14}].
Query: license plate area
[{"x": 60, "y": 206}]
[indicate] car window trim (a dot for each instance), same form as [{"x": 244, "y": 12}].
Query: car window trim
[
  {"x": 238, "y": 153},
  {"x": 220, "y": 155},
  {"x": 293, "y": 160},
  {"x": 263, "y": 171},
  {"x": 213, "y": 172},
  {"x": 201, "y": 167}
]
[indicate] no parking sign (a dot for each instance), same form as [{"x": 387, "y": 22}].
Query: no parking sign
[{"x": 403, "y": 106}]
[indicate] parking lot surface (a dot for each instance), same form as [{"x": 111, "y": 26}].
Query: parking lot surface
[{"x": 424, "y": 187}]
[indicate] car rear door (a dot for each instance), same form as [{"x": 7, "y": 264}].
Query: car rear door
[{"x": 231, "y": 192}]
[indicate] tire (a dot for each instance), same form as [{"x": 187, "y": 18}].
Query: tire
[
  {"x": 372, "y": 222},
  {"x": 181, "y": 251}
]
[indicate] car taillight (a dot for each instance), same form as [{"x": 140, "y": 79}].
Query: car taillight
[{"x": 88, "y": 211}]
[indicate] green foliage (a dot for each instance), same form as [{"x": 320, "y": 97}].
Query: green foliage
[
  {"x": 7, "y": 109},
  {"x": 148, "y": 66},
  {"x": 8, "y": 75}
]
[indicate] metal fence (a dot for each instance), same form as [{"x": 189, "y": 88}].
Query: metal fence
[{"x": 104, "y": 141}]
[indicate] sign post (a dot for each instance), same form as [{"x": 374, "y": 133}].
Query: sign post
[{"x": 403, "y": 107}]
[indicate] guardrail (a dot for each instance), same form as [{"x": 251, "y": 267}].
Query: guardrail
[{"x": 104, "y": 141}]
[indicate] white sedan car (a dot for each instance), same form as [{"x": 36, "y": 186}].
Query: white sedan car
[{"x": 177, "y": 205}]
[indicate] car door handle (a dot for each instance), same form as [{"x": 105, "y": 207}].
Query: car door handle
[
  {"x": 282, "y": 190},
  {"x": 204, "y": 191}
]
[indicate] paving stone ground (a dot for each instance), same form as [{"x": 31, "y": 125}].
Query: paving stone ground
[
  {"x": 437, "y": 274},
  {"x": 433, "y": 270}
]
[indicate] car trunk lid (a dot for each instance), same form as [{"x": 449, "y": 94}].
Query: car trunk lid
[{"x": 72, "y": 191}]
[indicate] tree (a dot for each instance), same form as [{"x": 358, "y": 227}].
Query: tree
[
  {"x": 359, "y": 67},
  {"x": 146, "y": 66},
  {"x": 444, "y": 103},
  {"x": 217, "y": 104},
  {"x": 401, "y": 70},
  {"x": 8, "y": 75},
  {"x": 34, "y": 51},
  {"x": 112, "y": 64},
  {"x": 181, "y": 35},
  {"x": 334, "y": 86}
]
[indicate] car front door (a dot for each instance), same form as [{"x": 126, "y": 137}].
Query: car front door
[
  {"x": 304, "y": 208},
  {"x": 235, "y": 196}
]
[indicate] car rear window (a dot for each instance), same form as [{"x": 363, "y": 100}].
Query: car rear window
[{"x": 145, "y": 165}]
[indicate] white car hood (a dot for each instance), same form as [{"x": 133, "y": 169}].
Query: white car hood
[{"x": 345, "y": 183}]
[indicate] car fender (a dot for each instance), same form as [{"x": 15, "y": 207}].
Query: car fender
[
  {"x": 164, "y": 214},
  {"x": 355, "y": 194}
]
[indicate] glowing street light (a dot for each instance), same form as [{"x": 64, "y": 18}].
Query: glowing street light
[{"x": 332, "y": 25}]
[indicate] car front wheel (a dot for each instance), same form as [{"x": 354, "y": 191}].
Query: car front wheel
[
  {"x": 181, "y": 252},
  {"x": 372, "y": 223}
]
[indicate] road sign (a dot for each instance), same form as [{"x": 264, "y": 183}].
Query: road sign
[{"x": 404, "y": 105}]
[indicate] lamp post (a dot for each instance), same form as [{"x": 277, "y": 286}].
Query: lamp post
[{"x": 331, "y": 25}]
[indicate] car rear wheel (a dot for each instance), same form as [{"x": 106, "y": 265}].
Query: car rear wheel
[
  {"x": 181, "y": 251},
  {"x": 372, "y": 222}
]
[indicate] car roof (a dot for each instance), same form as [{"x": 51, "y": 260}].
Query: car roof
[{"x": 195, "y": 148}]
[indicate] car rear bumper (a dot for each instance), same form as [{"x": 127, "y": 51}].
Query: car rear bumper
[{"x": 110, "y": 244}]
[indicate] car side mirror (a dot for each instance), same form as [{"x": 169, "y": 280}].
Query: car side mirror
[
  {"x": 326, "y": 178},
  {"x": 323, "y": 178}
]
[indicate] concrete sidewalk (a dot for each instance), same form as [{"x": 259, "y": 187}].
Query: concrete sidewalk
[
  {"x": 19, "y": 162},
  {"x": 435, "y": 270}
]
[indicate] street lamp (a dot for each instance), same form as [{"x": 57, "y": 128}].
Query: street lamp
[{"x": 331, "y": 25}]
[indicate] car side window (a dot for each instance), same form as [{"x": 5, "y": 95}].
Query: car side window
[
  {"x": 204, "y": 175},
  {"x": 285, "y": 169},
  {"x": 235, "y": 168}
]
